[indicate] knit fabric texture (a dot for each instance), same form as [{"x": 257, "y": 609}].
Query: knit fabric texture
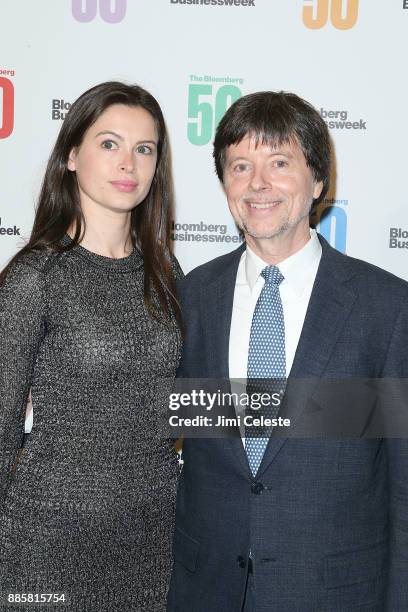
[{"x": 88, "y": 510}]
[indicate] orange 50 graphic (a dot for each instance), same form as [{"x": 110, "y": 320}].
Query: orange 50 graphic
[
  {"x": 343, "y": 13},
  {"x": 7, "y": 115}
]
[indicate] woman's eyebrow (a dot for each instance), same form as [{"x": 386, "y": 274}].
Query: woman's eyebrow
[{"x": 109, "y": 132}]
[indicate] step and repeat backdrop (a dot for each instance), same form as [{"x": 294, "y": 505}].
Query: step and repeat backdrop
[{"x": 347, "y": 57}]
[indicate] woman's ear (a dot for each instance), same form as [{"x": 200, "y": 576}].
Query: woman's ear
[{"x": 71, "y": 160}]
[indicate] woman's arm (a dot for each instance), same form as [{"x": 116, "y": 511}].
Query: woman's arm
[{"x": 21, "y": 331}]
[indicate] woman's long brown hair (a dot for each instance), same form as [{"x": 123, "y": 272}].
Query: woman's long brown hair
[{"x": 59, "y": 203}]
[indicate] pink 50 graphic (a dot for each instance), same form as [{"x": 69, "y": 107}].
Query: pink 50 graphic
[
  {"x": 111, "y": 11},
  {"x": 7, "y": 114}
]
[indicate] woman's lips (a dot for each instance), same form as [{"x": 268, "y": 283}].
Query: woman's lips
[{"x": 126, "y": 186}]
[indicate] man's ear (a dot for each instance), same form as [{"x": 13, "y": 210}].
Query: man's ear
[
  {"x": 318, "y": 188},
  {"x": 71, "y": 160}
]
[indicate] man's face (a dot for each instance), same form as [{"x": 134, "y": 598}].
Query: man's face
[{"x": 269, "y": 190}]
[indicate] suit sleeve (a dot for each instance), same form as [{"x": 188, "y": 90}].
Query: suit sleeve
[
  {"x": 396, "y": 370},
  {"x": 21, "y": 331},
  {"x": 191, "y": 360}
]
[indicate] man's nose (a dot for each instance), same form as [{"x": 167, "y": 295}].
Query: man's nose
[{"x": 259, "y": 179}]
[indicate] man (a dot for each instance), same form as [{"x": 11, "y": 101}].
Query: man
[{"x": 290, "y": 523}]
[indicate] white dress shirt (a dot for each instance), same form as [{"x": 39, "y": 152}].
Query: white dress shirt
[{"x": 299, "y": 271}]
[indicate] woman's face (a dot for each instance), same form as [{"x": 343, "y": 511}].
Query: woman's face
[{"x": 116, "y": 160}]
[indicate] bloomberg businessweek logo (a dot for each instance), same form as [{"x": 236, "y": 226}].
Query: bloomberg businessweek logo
[
  {"x": 12, "y": 230},
  {"x": 59, "y": 109},
  {"x": 398, "y": 238},
  {"x": 203, "y": 232}
]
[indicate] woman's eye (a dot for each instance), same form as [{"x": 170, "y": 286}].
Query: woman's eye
[
  {"x": 144, "y": 149},
  {"x": 240, "y": 168},
  {"x": 109, "y": 145},
  {"x": 280, "y": 163}
]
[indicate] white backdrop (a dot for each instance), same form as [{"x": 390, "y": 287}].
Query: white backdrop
[{"x": 347, "y": 57}]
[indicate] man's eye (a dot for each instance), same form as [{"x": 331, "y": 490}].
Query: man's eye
[
  {"x": 109, "y": 145},
  {"x": 144, "y": 149},
  {"x": 240, "y": 167},
  {"x": 280, "y": 163}
]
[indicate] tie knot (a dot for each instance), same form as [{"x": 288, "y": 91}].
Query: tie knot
[{"x": 272, "y": 275}]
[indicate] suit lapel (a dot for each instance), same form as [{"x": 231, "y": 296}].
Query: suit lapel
[
  {"x": 217, "y": 302},
  {"x": 330, "y": 305},
  {"x": 216, "y": 310}
]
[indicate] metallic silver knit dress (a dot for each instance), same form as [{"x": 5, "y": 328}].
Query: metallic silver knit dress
[{"x": 89, "y": 510}]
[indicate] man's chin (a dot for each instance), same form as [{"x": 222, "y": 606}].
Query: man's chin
[{"x": 264, "y": 233}]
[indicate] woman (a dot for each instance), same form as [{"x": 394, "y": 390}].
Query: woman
[{"x": 90, "y": 322}]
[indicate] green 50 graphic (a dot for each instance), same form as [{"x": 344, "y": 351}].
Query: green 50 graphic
[{"x": 206, "y": 105}]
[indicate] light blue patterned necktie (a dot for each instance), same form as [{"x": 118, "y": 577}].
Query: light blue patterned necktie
[{"x": 266, "y": 356}]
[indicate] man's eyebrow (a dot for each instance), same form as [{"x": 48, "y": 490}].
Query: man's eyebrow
[
  {"x": 234, "y": 159},
  {"x": 272, "y": 153},
  {"x": 280, "y": 152}
]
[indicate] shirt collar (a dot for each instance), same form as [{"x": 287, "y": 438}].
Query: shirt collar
[{"x": 296, "y": 269}]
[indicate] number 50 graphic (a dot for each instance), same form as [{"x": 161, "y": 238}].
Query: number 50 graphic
[
  {"x": 7, "y": 115},
  {"x": 316, "y": 15},
  {"x": 205, "y": 115},
  {"x": 86, "y": 10}
]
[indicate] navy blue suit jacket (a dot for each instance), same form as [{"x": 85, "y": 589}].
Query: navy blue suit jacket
[{"x": 328, "y": 527}]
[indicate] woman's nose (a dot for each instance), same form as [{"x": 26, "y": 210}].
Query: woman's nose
[{"x": 127, "y": 163}]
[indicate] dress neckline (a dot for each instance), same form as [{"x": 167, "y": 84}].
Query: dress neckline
[{"x": 130, "y": 262}]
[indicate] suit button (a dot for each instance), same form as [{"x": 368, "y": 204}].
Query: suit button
[
  {"x": 257, "y": 488},
  {"x": 241, "y": 561}
]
